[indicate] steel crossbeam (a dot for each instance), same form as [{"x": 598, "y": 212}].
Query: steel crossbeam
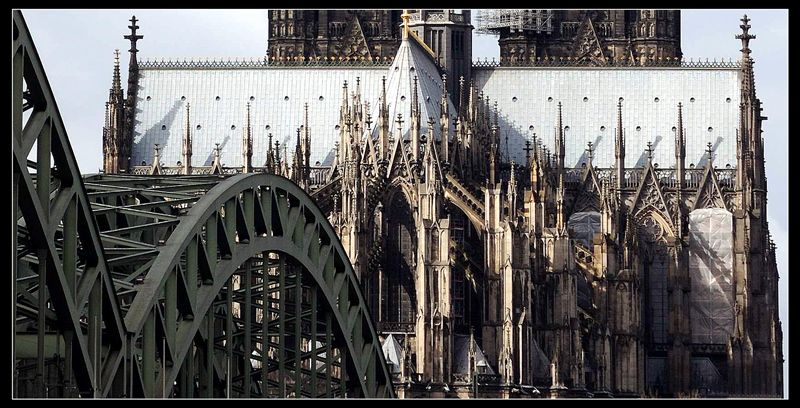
[{"x": 175, "y": 286}]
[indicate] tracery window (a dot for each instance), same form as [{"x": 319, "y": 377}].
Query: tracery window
[
  {"x": 398, "y": 293},
  {"x": 655, "y": 260}
]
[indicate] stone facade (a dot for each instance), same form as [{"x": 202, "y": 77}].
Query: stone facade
[
  {"x": 334, "y": 33},
  {"x": 597, "y": 34},
  {"x": 492, "y": 277}
]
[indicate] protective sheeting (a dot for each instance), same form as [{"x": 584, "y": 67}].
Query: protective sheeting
[
  {"x": 705, "y": 377},
  {"x": 583, "y": 226},
  {"x": 541, "y": 364},
  {"x": 711, "y": 270},
  {"x": 461, "y": 358},
  {"x": 393, "y": 352}
]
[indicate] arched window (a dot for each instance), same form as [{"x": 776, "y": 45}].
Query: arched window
[
  {"x": 655, "y": 263},
  {"x": 398, "y": 293}
]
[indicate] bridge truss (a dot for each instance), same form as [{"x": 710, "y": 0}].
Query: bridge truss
[{"x": 173, "y": 286}]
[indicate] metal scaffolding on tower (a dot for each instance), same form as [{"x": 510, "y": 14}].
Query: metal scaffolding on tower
[{"x": 491, "y": 21}]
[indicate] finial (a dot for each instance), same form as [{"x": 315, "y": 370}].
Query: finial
[
  {"x": 649, "y": 151},
  {"x": 156, "y": 148},
  {"x": 745, "y": 36},
  {"x": 528, "y": 150},
  {"x": 405, "y": 16},
  {"x": 709, "y": 150},
  {"x": 590, "y": 150},
  {"x": 133, "y": 37}
]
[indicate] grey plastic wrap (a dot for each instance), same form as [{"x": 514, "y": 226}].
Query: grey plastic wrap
[
  {"x": 541, "y": 364},
  {"x": 711, "y": 270},
  {"x": 461, "y": 359},
  {"x": 705, "y": 377},
  {"x": 583, "y": 226},
  {"x": 656, "y": 374}
]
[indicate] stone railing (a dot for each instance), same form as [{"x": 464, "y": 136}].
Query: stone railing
[
  {"x": 264, "y": 63},
  {"x": 395, "y": 327},
  {"x": 667, "y": 178},
  {"x": 607, "y": 62},
  {"x": 631, "y": 178},
  {"x": 726, "y": 178},
  {"x": 318, "y": 176}
]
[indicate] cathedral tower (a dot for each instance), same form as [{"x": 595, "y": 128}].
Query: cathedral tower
[{"x": 334, "y": 33}]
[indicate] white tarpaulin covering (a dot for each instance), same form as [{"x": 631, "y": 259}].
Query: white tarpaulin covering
[
  {"x": 393, "y": 354},
  {"x": 711, "y": 270},
  {"x": 583, "y": 226}
]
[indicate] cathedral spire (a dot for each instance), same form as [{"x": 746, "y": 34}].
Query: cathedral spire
[
  {"x": 306, "y": 147},
  {"x": 187, "y": 145},
  {"x": 270, "y": 157},
  {"x": 247, "y": 145},
  {"x": 133, "y": 37},
  {"x": 461, "y": 97},
  {"x": 116, "y": 85},
  {"x": 560, "y": 145},
  {"x": 620, "y": 148},
  {"x": 680, "y": 149},
  {"x": 383, "y": 124},
  {"x": 445, "y": 122}
]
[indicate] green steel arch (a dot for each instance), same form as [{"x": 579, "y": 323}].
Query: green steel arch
[{"x": 184, "y": 286}]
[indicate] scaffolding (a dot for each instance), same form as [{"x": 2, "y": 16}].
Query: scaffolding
[{"x": 492, "y": 21}]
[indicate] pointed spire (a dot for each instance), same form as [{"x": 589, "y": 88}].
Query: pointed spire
[
  {"x": 680, "y": 149},
  {"x": 187, "y": 145},
  {"x": 745, "y": 36},
  {"x": 560, "y": 146},
  {"x": 620, "y": 148},
  {"x": 133, "y": 37},
  {"x": 444, "y": 95},
  {"x": 270, "y": 156},
  {"x": 415, "y": 98},
  {"x": 116, "y": 85},
  {"x": 461, "y": 97}
]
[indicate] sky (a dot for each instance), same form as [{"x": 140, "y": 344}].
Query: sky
[{"x": 77, "y": 50}]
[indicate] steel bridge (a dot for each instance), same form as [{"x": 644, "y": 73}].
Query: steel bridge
[{"x": 173, "y": 286}]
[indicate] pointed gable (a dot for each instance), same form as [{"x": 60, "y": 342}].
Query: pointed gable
[
  {"x": 412, "y": 60},
  {"x": 709, "y": 194},
  {"x": 355, "y": 44},
  {"x": 650, "y": 197},
  {"x": 588, "y": 195}
]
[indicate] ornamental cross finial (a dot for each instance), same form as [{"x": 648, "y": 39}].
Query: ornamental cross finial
[
  {"x": 216, "y": 149},
  {"x": 709, "y": 151},
  {"x": 745, "y": 36},
  {"x": 132, "y": 36},
  {"x": 405, "y": 16},
  {"x": 590, "y": 150},
  {"x": 156, "y": 148},
  {"x": 649, "y": 151},
  {"x": 528, "y": 150}
]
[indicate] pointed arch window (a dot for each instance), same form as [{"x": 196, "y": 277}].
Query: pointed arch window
[
  {"x": 655, "y": 262},
  {"x": 398, "y": 294}
]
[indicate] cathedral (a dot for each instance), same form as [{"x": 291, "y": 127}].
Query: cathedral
[{"x": 584, "y": 218}]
